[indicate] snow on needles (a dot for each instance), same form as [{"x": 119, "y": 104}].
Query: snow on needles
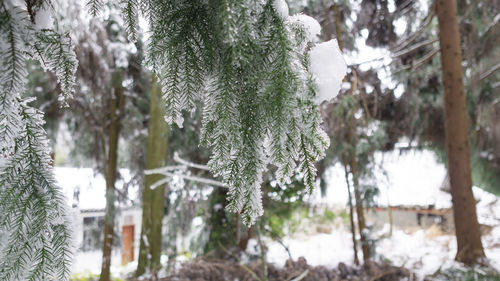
[
  {"x": 281, "y": 8},
  {"x": 312, "y": 28},
  {"x": 329, "y": 68},
  {"x": 327, "y": 63}
]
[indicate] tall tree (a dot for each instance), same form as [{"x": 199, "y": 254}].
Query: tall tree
[
  {"x": 153, "y": 198},
  {"x": 469, "y": 246},
  {"x": 353, "y": 167},
  {"x": 116, "y": 105}
]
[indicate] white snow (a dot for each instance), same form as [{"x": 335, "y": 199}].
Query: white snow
[
  {"x": 422, "y": 251},
  {"x": 407, "y": 179},
  {"x": 319, "y": 249},
  {"x": 412, "y": 178},
  {"x": 43, "y": 18},
  {"x": 92, "y": 186},
  {"x": 311, "y": 26},
  {"x": 328, "y": 68},
  {"x": 487, "y": 208},
  {"x": 91, "y": 262},
  {"x": 281, "y": 7}
]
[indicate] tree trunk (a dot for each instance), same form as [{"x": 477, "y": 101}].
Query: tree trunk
[
  {"x": 351, "y": 216},
  {"x": 110, "y": 167},
  {"x": 153, "y": 199},
  {"x": 353, "y": 165},
  {"x": 469, "y": 247},
  {"x": 359, "y": 208}
]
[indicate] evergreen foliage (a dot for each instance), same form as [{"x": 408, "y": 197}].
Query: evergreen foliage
[
  {"x": 54, "y": 50},
  {"x": 245, "y": 61},
  {"x": 249, "y": 67},
  {"x": 34, "y": 230},
  {"x": 34, "y": 227}
]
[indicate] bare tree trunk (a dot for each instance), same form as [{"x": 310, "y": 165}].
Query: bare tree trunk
[
  {"x": 359, "y": 208},
  {"x": 351, "y": 217},
  {"x": 353, "y": 165},
  {"x": 153, "y": 200},
  {"x": 110, "y": 167},
  {"x": 469, "y": 246}
]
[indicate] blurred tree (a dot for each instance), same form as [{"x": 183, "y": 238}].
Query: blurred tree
[
  {"x": 116, "y": 107},
  {"x": 153, "y": 196},
  {"x": 469, "y": 246},
  {"x": 106, "y": 94}
]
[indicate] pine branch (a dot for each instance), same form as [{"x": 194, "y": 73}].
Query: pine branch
[
  {"x": 34, "y": 225},
  {"x": 57, "y": 55},
  {"x": 12, "y": 73},
  {"x": 130, "y": 9},
  {"x": 94, "y": 6},
  {"x": 34, "y": 230},
  {"x": 257, "y": 101}
]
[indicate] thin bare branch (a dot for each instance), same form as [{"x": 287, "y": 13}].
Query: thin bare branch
[
  {"x": 403, "y": 43},
  {"x": 414, "y": 47},
  {"x": 489, "y": 72}
]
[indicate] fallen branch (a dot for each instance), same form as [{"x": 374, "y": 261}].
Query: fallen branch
[{"x": 301, "y": 276}]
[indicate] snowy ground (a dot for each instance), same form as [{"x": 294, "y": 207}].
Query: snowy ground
[
  {"x": 422, "y": 251},
  {"x": 91, "y": 262},
  {"x": 413, "y": 178}
]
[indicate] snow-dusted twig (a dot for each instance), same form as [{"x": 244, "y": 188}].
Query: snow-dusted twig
[
  {"x": 189, "y": 164},
  {"x": 169, "y": 172},
  {"x": 164, "y": 170}
]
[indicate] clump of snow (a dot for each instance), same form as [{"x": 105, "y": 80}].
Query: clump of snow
[
  {"x": 488, "y": 206},
  {"x": 43, "y": 18},
  {"x": 281, "y": 7},
  {"x": 311, "y": 26},
  {"x": 328, "y": 68}
]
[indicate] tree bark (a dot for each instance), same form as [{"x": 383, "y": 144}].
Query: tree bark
[
  {"x": 110, "y": 167},
  {"x": 153, "y": 199},
  {"x": 469, "y": 246},
  {"x": 351, "y": 216}
]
